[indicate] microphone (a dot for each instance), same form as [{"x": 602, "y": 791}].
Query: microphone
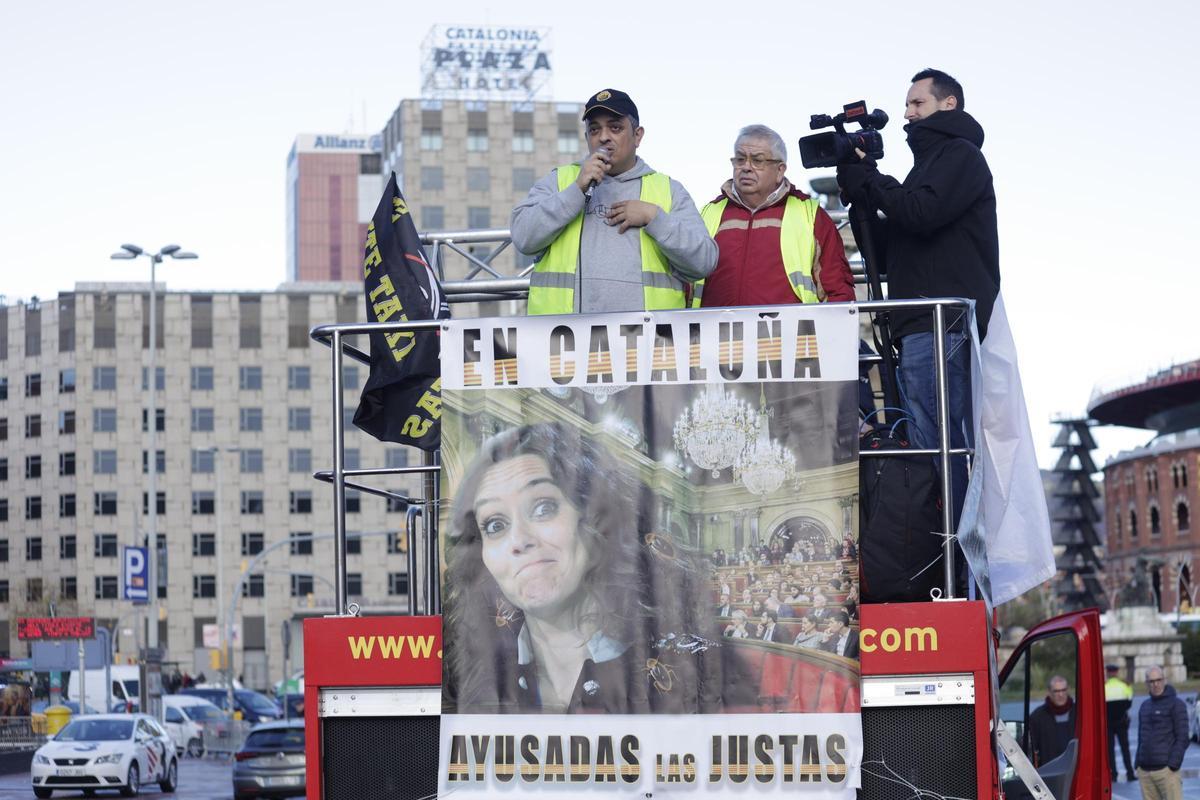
[{"x": 592, "y": 183}]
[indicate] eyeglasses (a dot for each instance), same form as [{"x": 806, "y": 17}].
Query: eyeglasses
[
  {"x": 756, "y": 161},
  {"x": 1155, "y": 680},
  {"x": 1059, "y": 691}
]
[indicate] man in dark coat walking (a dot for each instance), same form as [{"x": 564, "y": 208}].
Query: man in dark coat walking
[
  {"x": 939, "y": 240},
  {"x": 1162, "y": 739}
]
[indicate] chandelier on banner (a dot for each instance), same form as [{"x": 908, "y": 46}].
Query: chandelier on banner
[
  {"x": 765, "y": 465},
  {"x": 715, "y": 429}
]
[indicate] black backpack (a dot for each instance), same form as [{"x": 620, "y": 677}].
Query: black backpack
[{"x": 900, "y": 506}]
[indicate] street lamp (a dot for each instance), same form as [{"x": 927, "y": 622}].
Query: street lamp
[{"x": 128, "y": 252}]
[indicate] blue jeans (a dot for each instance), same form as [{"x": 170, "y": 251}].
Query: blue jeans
[{"x": 918, "y": 394}]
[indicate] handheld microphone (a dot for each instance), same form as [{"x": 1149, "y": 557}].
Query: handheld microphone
[{"x": 592, "y": 183}]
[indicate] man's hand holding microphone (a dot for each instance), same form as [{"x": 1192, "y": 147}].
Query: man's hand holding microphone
[{"x": 593, "y": 169}]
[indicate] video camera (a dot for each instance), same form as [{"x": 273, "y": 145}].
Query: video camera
[{"x": 830, "y": 149}]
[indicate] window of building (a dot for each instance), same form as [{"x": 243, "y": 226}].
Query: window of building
[
  {"x": 250, "y": 379},
  {"x": 202, "y": 420},
  {"x": 3, "y": 387},
  {"x": 433, "y": 218},
  {"x": 477, "y": 140},
  {"x": 33, "y": 507},
  {"x": 351, "y": 458},
  {"x": 105, "y": 545},
  {"x": 522, "y": 141},
  {"x": 252, "y": 502},
  {"x": 250, "y": 459},
  {"x": 3, "y": 469},
  {"x": 66, "y": 381},
  {"x": 1155, "y": 521},
  {"x": 4, "y": 591},
  {"x": 300, "y": 459},
  {"x": 104, "y": 322},
  {"x": 300, "y": 543},
  {"x": 249, "y": 321},
  {"x": 33, "y": 590},
  {"x": 66, "y": 323},
  {"x": 350, "y": 379},
  {"x": 104, "y": 379},
  {"x": 202, "y": 379},
  {"x": 354, "y": 584},
  {"x": 66, "y": 423},
  {"x": 204, "y": 586},
  {"x": 33, "y": 384},
  {"x": 396, "y": 505},
  {"x": 204, "y": 544},
  {"x": 66, "y": 505},
  {"x": 67, "y": 547},
  {"x": 252, "y": 543},
  {"x": 397, "y": 583},
  {"x": 66, "y": 463},
  {"x": 479, "y": 217},
  {"x": 160, "y": 462},
  {"x": 33, "y": 426},
  {"x": 396, "y": 457},
  {"x": 250, "y": 419},
  {"x": 68, "y": 587},
  {"x": 1183, "y": 518},
  {"x": 353, "y": 544},
  {"x": 3, "y": 551},
  {"x": 298, "y": 321},
  {"x": 353, "y": 501},
  {"x": 33, "y": 467},
  {"x": 104, "y": 462},
  {"x": 1133, "y": 528},
  {"x": 300, "y": 502},
  {"x": 203, "y": 502},
  {"x": 105, "y": 504},
  {"x": 302, "y": 585},
  {"x": 479, "y": 179},
  {"x": 106, "y": 587},
  {"x": 202, "y": 321},
  {"x": 569, "y": 142},
  {"x": 160, "y": 378},
  {"x": 104, "y": 420},
  {"x": 160, "y": 419},
  {"x": 160, "y": 507},
  {"x": 299, "y": 377},
  {"x": 33, "y": 548},
  {"x": 431, "y": 139},
  {"x": 3, "y": 429},
  {"x": 299, "y": 419},
  {"x": 523, "y": 179},
  {"x": 432, "y": 178},
  {"x": 254, "y": 586}
]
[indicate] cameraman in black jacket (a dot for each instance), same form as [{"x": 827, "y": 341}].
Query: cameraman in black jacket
[{"x": 939, "y": 240}]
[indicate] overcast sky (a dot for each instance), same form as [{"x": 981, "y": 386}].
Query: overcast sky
[{"x": 152, "y": 122}]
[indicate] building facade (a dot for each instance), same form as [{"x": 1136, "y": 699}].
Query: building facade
[
  {"x": 244, "y": 419},
  {"x": 1149, "y": 497},
  {"x": 333, "y": 187},
  {"x": 464, "y": 164}
]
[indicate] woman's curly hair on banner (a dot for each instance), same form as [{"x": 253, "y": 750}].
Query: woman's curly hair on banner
[{"x": 560, "y": 593}]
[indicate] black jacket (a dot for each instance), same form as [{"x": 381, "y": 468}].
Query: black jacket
[
  {"x": 1048, "y": 738},
  {"x": 1162, "y": 731},
  {"x": 940, "y": 233}
]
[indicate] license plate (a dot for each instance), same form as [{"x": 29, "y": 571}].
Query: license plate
[
  {"x": 282, "y": 780},
  {"x": 69, "y": 773}
]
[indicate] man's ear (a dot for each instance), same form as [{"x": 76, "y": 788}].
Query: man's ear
[
  {"x": 637, "y": 136},
  {"x": 951, "y": 102}
]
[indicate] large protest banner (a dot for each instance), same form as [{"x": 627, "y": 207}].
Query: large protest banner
[{"x": 649, "y": 551}]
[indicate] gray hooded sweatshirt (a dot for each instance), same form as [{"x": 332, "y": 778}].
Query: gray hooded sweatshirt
[{"x": 609, "y": 275}]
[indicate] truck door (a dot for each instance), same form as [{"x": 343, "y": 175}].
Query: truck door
[{"x": 1063, "y": 733}]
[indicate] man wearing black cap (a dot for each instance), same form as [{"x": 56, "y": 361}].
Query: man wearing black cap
[
  {"x": 1118, "y": 697},
  {"x": 610, "y": 233}
]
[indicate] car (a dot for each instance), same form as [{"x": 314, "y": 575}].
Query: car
[
  {"x": 106, "y": 751},
  {"x": 186, "y": 717},
  {"x": 253, "y": 706},
  {"x": 270, "y": 762}
]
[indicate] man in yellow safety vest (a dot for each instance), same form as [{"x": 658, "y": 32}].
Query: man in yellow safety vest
[
  {"x": 610, "y": 233},
  {"x": 1118, "y": 697}
]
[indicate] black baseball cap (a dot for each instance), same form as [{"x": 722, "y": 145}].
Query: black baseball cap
[
  {"x": 613, "y": 100},
  {"x": 1112, "y": 668}
]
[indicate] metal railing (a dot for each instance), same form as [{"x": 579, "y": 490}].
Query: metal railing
[{"x": 21, "y": 733}]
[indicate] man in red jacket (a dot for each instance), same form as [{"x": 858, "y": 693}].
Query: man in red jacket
[{"x": 777, "y": 245}]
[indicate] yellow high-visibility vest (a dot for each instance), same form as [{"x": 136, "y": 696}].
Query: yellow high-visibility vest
[
  {"x": 552, "y": 283},
  {"x": 797, "y": 244}
]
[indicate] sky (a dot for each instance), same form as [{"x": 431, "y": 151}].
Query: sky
[{"x": 153, "y": 123}]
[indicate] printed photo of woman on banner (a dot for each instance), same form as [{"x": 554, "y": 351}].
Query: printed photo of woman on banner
[{"x": 599, "y": 558}]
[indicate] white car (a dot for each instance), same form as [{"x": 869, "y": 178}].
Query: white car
[
  {"x": 186, "y": 717},
  {"x": 106, "y": 751}
]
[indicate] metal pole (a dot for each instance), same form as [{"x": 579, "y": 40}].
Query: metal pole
[
  {"x": 410, "y": 525},
  {"x": 429, "y": 524},
  {"x": 152, "y": 461},
  {"x": 82, "y": 679},
  {"x": 224, "y": 631},
  {"x": 339, "y": 481},
  {"x": 943, "y": 409}
]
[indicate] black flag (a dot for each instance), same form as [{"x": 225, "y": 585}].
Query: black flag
[{"x": 402, "y": 399}]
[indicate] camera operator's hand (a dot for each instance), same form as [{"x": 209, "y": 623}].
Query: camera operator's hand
[
  {"x": 593, "y": 169},
  {"x": 853, "y": 177}
]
